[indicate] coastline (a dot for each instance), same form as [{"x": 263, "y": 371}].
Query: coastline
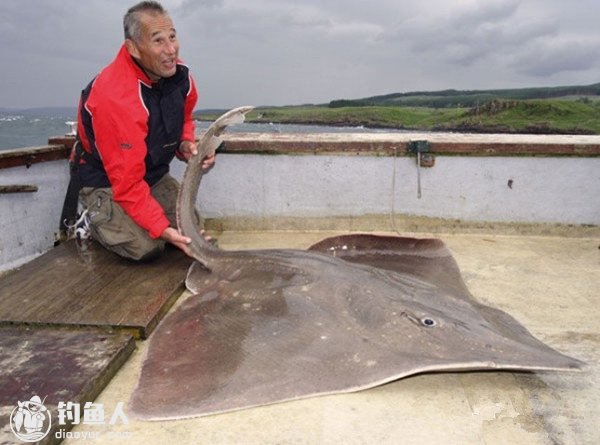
[
  {"x": 510, "y": 117},
  {"x": 461, "y": 128}
]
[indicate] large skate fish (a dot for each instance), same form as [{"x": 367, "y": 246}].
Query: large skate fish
[{"x": 354, "y": 312}]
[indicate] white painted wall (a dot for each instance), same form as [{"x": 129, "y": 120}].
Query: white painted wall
[
  {"x": 29, "y": 221},
  {"x": 548, "y": 190}
]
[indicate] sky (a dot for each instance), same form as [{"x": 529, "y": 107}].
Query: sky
[{"x": 291, "y": 52}]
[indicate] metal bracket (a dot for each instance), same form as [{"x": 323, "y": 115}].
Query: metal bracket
[
  {"x": 416, "y": 147},
  {"x": 421, "y": 150},
  {"x": 424, "y": 159}
]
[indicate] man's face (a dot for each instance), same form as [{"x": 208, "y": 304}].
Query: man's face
[{"x": 158, "y": 48}]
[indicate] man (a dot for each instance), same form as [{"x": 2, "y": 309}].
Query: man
[{"x": 134, "y": 117}]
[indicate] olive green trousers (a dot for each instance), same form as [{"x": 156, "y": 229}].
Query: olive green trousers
[{"x": 116, "y": 231}]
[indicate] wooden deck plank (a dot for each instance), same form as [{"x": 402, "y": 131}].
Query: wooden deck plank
[
  {"x": 64, "y": 287},
  {"x": 57, "y": 366}
]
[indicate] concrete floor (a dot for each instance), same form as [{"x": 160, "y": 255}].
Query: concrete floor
[{"x": 549, "y": 284}]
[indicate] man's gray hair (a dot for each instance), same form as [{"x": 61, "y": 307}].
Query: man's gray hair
[{"x": 132, "y": 20}]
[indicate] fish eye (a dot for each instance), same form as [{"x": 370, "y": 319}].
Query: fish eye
[{"x": 426, "y": 321}]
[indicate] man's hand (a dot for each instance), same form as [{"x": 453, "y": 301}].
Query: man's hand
[
  {"x": 208, "y": 162},
  {"x": 189, "y": 149},
  {"x": 172, "y": 236}
]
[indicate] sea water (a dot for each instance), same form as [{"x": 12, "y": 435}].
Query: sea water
[
  {"x": 26, "y": 128},
  {"x": 32, "y": 128}
]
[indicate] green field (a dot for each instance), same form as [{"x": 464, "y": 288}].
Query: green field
[
  {"x": 532, "y": 116},
  {"x": 557, "y": 110},
  {"x": 384, "y": 117}
]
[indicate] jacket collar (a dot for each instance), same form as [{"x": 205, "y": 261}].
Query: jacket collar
[{"x": 131, "y": 64}]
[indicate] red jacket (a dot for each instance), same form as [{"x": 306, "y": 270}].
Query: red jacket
[{"x": 130, "y": 129}]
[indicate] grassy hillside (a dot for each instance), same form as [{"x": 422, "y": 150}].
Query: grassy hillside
[
  {"x": 531, "y": 116},
  {"x": 374, "y": 116},
  {"x": 469, "y": 98},
  {"x": 498, "y": 116},
  {"x": 564, "y": 110}
]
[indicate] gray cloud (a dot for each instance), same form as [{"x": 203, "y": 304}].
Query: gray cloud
[
  {"x": 473, "y": 32},
  {"x": 547, "y": 58},
  {"x": 290, "y": 52}
]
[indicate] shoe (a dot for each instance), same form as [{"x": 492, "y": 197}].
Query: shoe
[{"x": 80, "y": 229}]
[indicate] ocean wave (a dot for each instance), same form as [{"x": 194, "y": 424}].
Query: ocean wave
[{"x": 10, "y": 118}]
